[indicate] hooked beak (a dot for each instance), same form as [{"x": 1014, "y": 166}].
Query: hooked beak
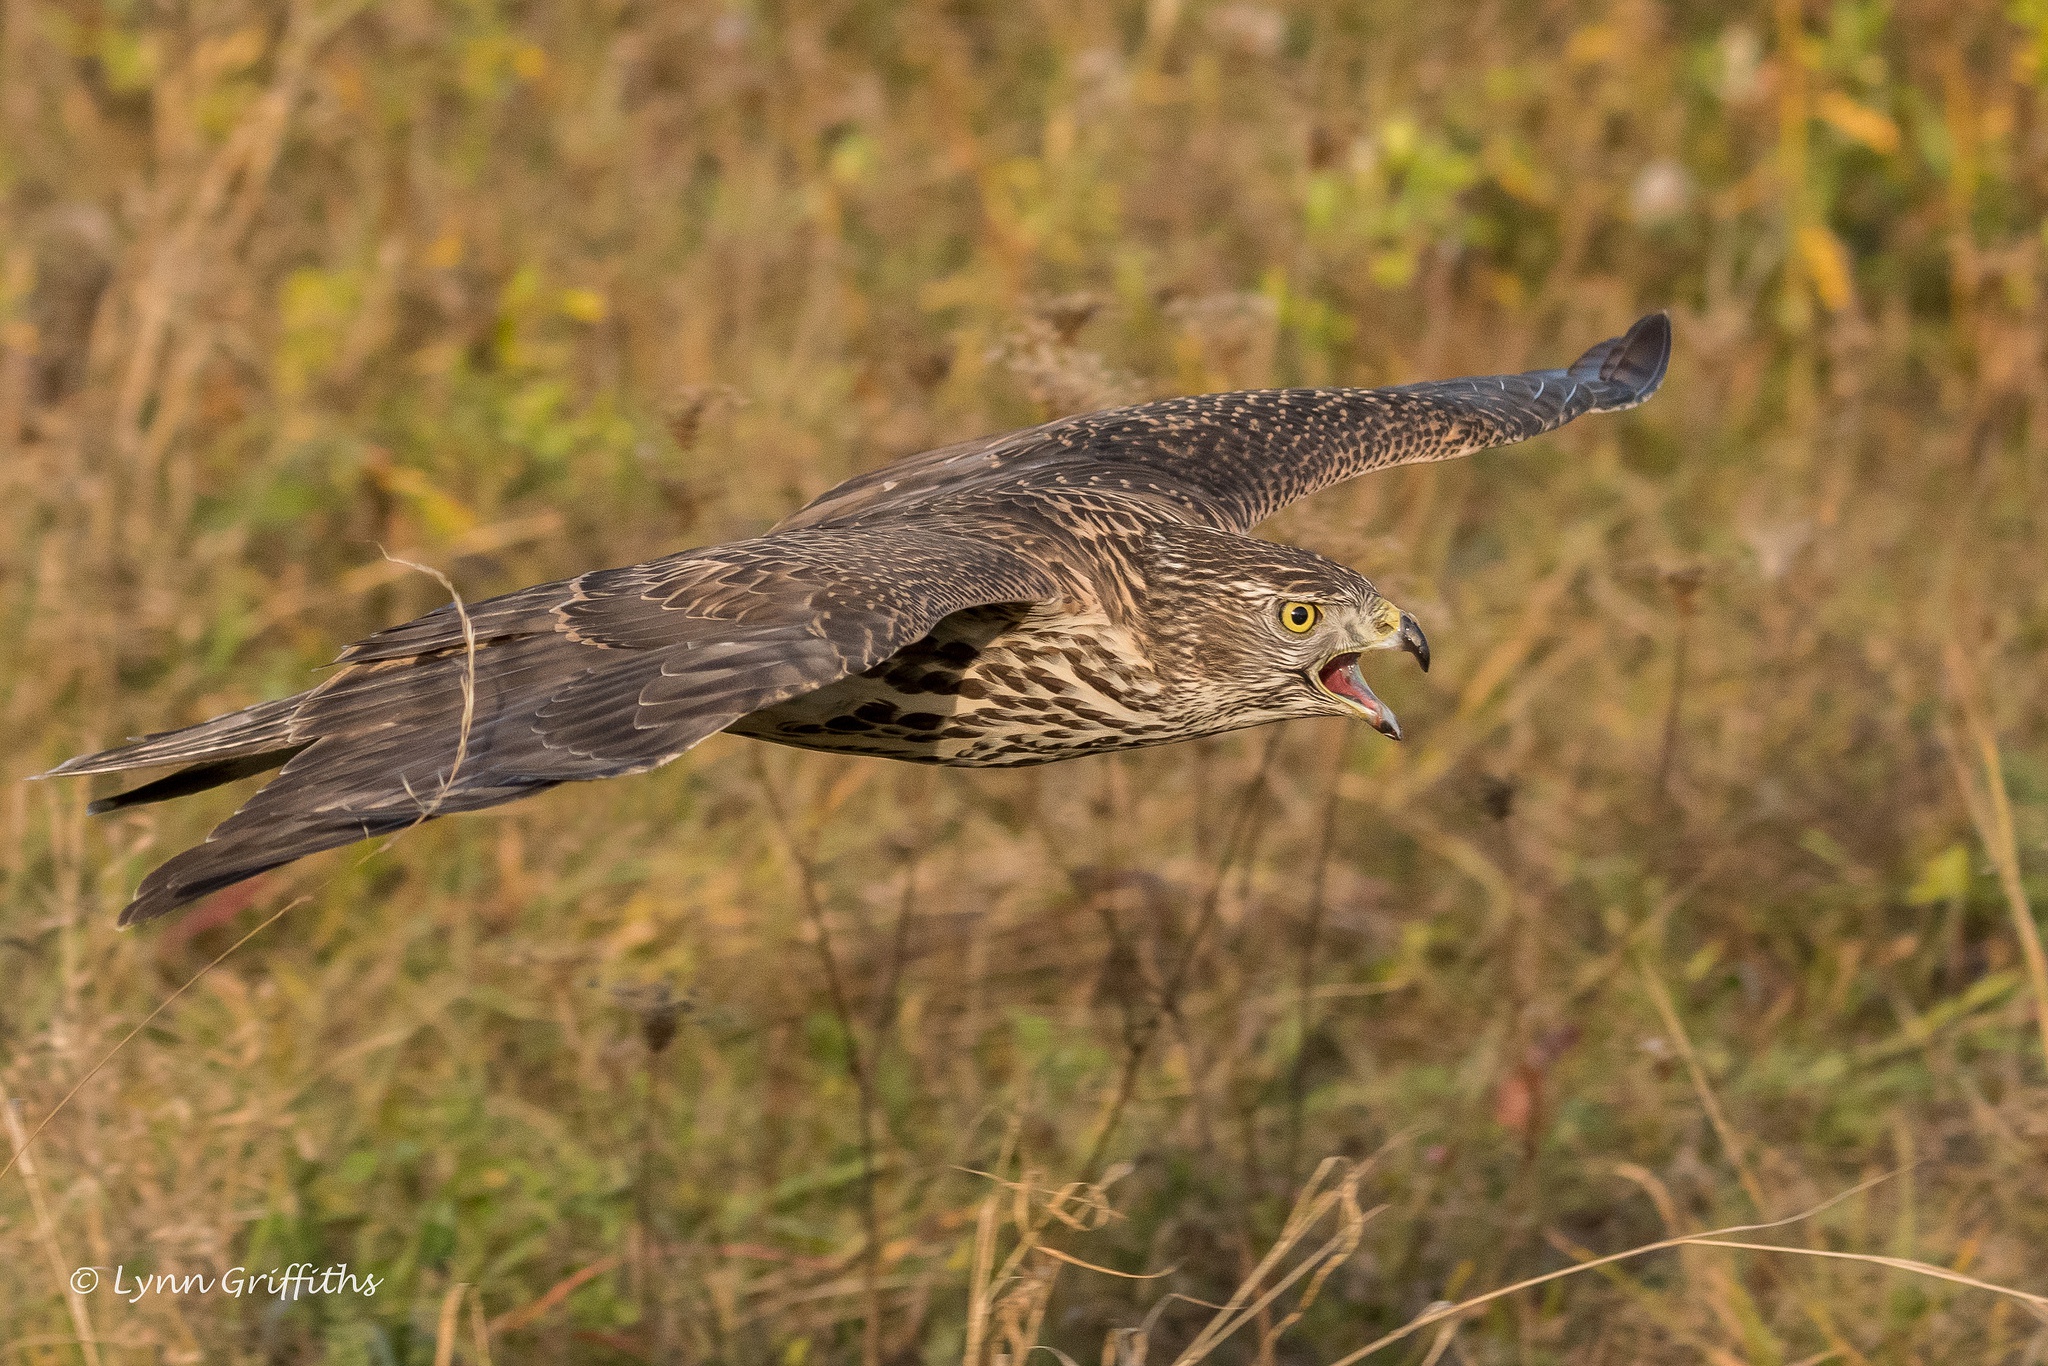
[
  {"x": 1340, "y": 678},
  {"x": 1413, "y": 641}
]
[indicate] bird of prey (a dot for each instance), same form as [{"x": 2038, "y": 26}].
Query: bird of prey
[{"x": 1078, "y": 587}]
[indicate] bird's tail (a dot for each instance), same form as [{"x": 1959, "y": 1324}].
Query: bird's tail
[
  {"x": 240, "y": 744},
  {"x": 370, "y": 751},
  {"x": 385, "y": 743}
]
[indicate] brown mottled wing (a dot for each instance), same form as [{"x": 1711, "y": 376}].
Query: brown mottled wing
[
  {"x": 609, "y": 673},
  {"x": 1232, "y": 460}
]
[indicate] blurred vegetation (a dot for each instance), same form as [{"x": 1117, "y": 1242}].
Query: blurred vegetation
[{"x": 1729, "y": 787}]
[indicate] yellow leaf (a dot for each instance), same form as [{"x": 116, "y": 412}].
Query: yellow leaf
[
  {"x": 1700, "y": 964},
  {"x": 1827, "y": 265},
  {"x": 1944, "y": 878},
  {"x": 441, "y": 514},
  {"x": 1519, "y": 175},
  {"x": 1858, "y": 122},
  {"x": 585, "y": 305}
]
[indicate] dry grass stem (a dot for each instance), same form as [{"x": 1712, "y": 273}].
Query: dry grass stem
[
  {"x": 428, "y": 809},
  {"x": 1313, "y": 1205},
  {"x": 21, "y": 1148},
  {"x": 448, "y": 1324},
  {"x": 1731, "y": 1141},
  {"x": 856, "y": 1063},
  {"x": 1712, "y": 1238},
  {"x": 46, "y": 1232},
  {"x": 479, "y": 1327},
  {"x": 1991, "y": 813},
  {"x": 554, "y": 1296}
]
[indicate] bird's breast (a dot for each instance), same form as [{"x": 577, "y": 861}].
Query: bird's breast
[{"x": 990, "y": 687}]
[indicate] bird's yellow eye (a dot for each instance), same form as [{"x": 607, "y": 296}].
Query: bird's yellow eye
[{"x": 1300, "y": 617}]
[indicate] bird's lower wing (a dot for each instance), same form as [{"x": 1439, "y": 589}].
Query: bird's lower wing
[{"x": 610, "y": 673}]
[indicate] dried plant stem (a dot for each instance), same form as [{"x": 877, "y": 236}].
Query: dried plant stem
[
  {"x": 479, "y": 1327},
  {"x": 449, "y": 1321},
  {"x": 1713, "y": 1238},
  {"x": 981, "y": 1286},
  {"x": 554, "y": 1296},
  {"x": 21, "y": 1148},
  {"x": 1731, "y": 1142},
  {"x": 1667, "y": 748},
  {"x": 46, "y": 1231},
  {"x": 856, "y": 1065},
  {"x": 1441, "y": 1344},
  {"x": 1684, "y": 586},
  {"x": 428, "y": 809},
  {"x": 1991, "y": 814},
  {"x": 1309, "y": 1209},
  {"x": 1142, "y": 1032},
  {"x": 1318, "y": 906}
]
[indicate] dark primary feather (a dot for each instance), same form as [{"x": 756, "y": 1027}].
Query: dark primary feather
[{"x": 620, "y": 670}]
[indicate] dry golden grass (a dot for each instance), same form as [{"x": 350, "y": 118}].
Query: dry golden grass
[{"x": 1704, "y": 891}]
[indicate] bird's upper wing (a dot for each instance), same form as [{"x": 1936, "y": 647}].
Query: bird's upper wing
[
  {"x": 629, "y": 667},
  {"x": 608, "y": 673},
  {"x": 1232, "y": 460}
]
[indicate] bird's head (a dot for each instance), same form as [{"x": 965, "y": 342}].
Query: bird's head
[{"x": 1257, "y": 631}]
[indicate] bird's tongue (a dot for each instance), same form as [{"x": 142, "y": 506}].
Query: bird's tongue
[{"x": 1341, "y": 676}]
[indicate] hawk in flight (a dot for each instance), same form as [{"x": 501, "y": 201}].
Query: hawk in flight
[{"x": 1083, "y": 586}]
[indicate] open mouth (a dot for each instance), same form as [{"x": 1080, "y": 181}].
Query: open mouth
[{"x": 1341, "y": 679}]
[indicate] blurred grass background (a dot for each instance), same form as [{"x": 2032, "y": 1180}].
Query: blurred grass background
[{"x": 1693, "y": 899}]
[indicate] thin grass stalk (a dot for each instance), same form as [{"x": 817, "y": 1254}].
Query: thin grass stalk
[
  {"x": 1684, "y": 585},
  {"x": 1305, "y": 1215},
  {"x": 21, "y": 1148},
  {"x": 553, "y": 1297},
  {"x": 1991, "y": 814},
  {"x": 979, "y": 1282},
  {"x": 856, "y": 1065},
  {"x": 1318, "y": 907},
  {"x": 1646, "y": 1300},
  {"x": 447, "y": 1322},
  {"x": 2038, "y": 1304},
  {"x": 1322, "y": 1262},
  {"x": 1168, "y": 1002},
  {"x": 46, "y": 1231},
  {"x": 468, "y": 720},
  {"x": 479, "y": 1329},
  {"x": 1731, "y": 1142},
  {"x": 1441, "y": 1344}
]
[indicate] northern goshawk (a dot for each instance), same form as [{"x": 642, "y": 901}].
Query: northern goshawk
[{"x": 1082, "y": 586}]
